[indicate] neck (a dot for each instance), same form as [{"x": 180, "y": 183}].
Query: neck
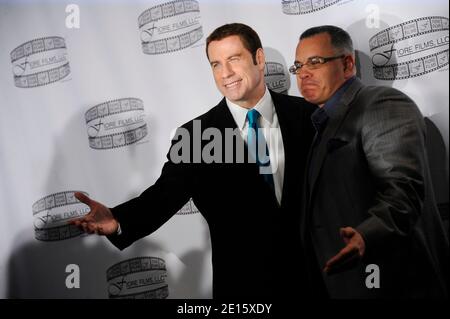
[{"x": 257, "y": 95}]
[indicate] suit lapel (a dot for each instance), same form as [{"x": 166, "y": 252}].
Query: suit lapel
[
  {"x": 224, "y": 118},
  {"x": 285, "y": 124},
  {"x": 342, "y": 108}
]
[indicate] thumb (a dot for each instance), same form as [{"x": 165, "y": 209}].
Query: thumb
[
  {"x": 83, "y": 198},
  {"x": 346, "y": 233}
]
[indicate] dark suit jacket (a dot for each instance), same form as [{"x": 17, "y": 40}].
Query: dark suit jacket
[
  {"x": 255, "y": 242},
  {"x": 372, "y": 174}
]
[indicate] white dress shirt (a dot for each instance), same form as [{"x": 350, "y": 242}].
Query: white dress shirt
[{"x": 271, "y": 128}]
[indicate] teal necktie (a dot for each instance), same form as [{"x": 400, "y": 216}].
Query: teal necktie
[{"x": 257, "y": 146}]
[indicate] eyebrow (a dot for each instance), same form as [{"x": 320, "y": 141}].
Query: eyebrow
[
  {"x": 231, "y": 56},
  {"x": 308, "y": 58},
  {"x": 234, "y": 55}
]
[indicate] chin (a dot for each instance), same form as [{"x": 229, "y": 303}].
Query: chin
[
  {"x": 234, "y": 98},
  {"x": 310, "y": 99}
]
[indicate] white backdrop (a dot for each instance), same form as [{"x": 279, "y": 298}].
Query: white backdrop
[{"x": 140, "y": 68}]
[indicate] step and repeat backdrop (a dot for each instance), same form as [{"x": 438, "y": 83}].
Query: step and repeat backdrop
[{"x": 92, "y": 90}]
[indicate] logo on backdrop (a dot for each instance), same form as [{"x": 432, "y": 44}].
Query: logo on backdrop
[
  {"x": 141, "y": 277},
  {"x": 276, "y": 77},
  {"x": 305, "y": 6},
  {"x": 170, "y": 27},
  {"x": 188, "y": 209},
  {"x": 410, "y": 49},
  {"x": 116, "y": 123},
  {"x": 39, "y": 62},
  {"x": 51, "y": 214}
]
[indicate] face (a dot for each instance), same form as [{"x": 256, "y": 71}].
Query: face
[
  {"x": 319, "y": 84},
  {"x": 236, "y": 76}
]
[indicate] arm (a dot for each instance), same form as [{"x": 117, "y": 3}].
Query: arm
[
  {"x": 392, "y": 138},
  {"x": 144, "y": 214}
]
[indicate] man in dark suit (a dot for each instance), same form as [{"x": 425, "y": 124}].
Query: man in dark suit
[
  {"x": 253, "y": 218},
  {"x": 369, "y": 222}
]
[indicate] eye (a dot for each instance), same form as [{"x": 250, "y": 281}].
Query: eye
[
  {"x": 234, "y": 59},
  {"x": 315, "y": 60}
]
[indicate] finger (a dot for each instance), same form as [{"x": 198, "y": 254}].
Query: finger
[
  {"x": 88, "y": 218},
  {"x": 83, "y": 198},
  {"x": 74, "y": 222},
  {"x": 339, "y": 258},
  {"x": 349, "y": 263},
  {"x": 347, "y": 232},
  {"x": 77, "y": 221},
  {"x": 84, "y": 226},
  {"x": 91, "y": 228}
]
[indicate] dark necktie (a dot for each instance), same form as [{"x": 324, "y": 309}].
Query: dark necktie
[{"x": 319, "y": 119}]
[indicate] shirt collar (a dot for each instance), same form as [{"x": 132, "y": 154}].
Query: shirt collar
[
  {"x": 264, "y": 107},
  {"x": 329, "y": 106}
]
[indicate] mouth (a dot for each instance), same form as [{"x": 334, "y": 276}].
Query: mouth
[
  {"x": 308, "y": 84},
  {"x": 308, "y": 87},
  {"x": 232, "y": 84}
]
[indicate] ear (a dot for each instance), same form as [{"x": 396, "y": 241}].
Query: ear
[
  {"x": 260, "y": 58},
  {"x": 349, "y": 66}
]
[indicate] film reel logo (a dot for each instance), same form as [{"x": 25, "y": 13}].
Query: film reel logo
[
  {"x": 40, "y": 62},
  {"x": 170, "y": 27},
  {"x": 410, "y": 49},
  {"x": 51, "y": 214},
  {"x": 295, "y": 7},
  {"x": 188, "y": 209},
  {"x": 138, "y": 278},
  {"x": 276, "y": 77},
  {"x": 116, "y": 123}
]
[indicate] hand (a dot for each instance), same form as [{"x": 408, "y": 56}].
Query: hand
[
  {"x": 350, "y": 255},
  {"x": 99, "y": 220}
]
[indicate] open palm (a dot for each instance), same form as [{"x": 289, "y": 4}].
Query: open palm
[{"x": 99, "y": 220}]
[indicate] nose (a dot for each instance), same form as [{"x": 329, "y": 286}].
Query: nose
[
  {"x": 303, "y": 73},
  {"x": 227, "y": 71}
]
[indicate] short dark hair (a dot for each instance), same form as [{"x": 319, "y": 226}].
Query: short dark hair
[
  {"x": 340, "y": 39},
  {"x": 248, "y": 36}
]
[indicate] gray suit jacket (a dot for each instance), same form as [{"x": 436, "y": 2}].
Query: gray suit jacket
[{"x": 371, "y": 173}]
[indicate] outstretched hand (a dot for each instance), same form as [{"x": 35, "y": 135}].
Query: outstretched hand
[
  {"x": 99, "y": 220},
  {"x": 350, "y": 255}
]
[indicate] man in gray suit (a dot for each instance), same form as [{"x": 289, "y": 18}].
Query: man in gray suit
[{"x": 369, "y": 222}]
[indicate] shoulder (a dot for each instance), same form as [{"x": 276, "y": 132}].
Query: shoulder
[
  {"x": 381, "y": 104},
  {"x": 387, "y": 99},
  {"x": 292, "y": 104},
  {"x": 383, "y": 94},
  {"x": 209, "y": 118}
]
